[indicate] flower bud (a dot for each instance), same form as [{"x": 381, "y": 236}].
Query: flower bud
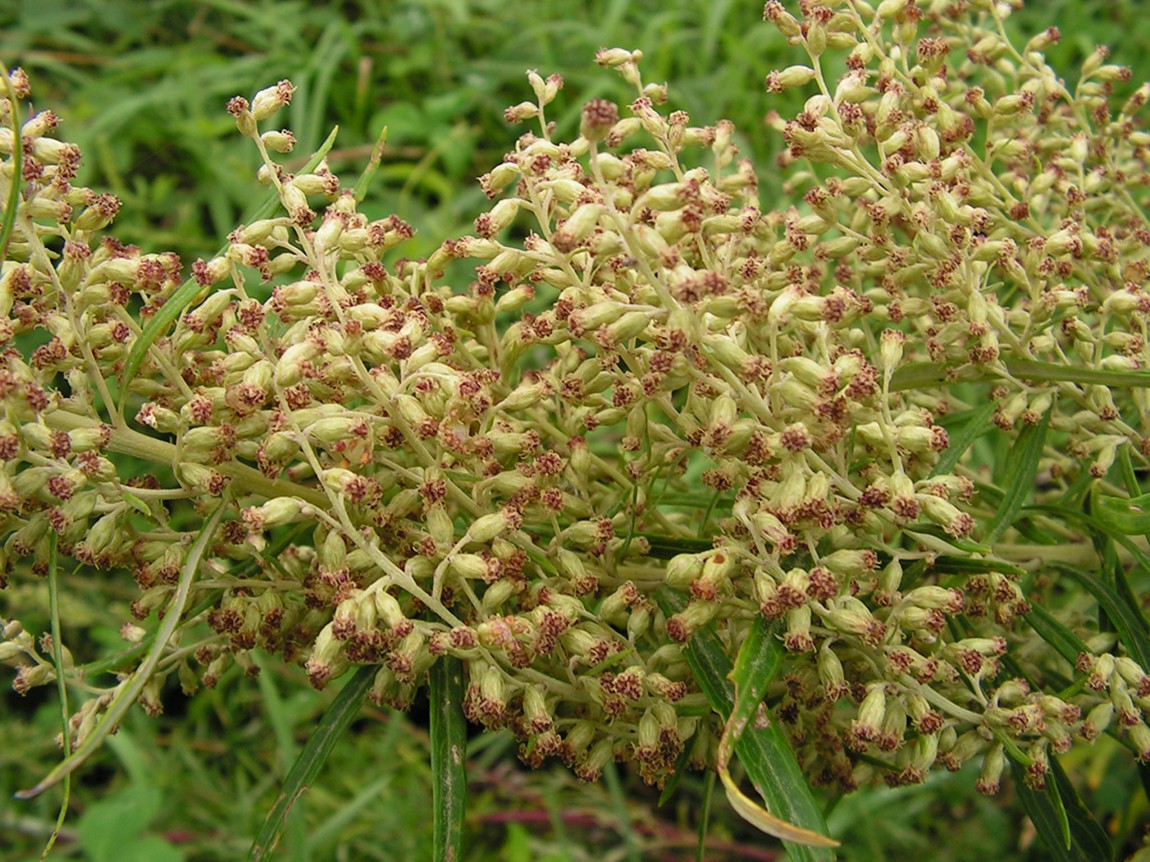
[
  {"x": 597, "y": 119},
  {"x": 268, "y": 101},
  {"x": 487, "y": 527},
  {"x": 989, "y": 780}
]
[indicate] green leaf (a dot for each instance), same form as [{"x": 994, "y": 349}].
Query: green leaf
[
  {"x": 942, "y": 539},
  {"x": 61, "y": 683},
  {"x": 188, "y": 291},
  {"x": 173, "y": 615},
  {"x": 1125, "y": 515},
  {"x": 13, "y": 202},
  {"x": 665, "y": 547},
  {"x": 1130, "y": 624},
  {"x": 963, "y": 439},
  {"x": 1053, "y": 372},
  {"x": 136, "y": 503},
  {"x": 368, "y": 174},
  {"x": 1065, "y": 642},
  {"x": 923, "y": 375},
  {"x": 1062, "y": 820},
  {"x": 705, "y": 817},
  {"x": 1019, "y": 480},
  {"x": 756, "y": 665},
  {"x": 1118, "y": 601},
  {"x": 315, "y": 752},
  {"x": 448, "y": 757},
  {"x": 946, "y": 565},
  {"x": 764, "y": 751}
]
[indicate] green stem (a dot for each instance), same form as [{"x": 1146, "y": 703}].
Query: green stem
[
  {"x": 448, "y": 758},
  {"x": 126, "y": 441},
  {"x": 61, "y": 684}
]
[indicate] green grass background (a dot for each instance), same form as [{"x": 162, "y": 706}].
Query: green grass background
[{"x": 141, "y": 85}]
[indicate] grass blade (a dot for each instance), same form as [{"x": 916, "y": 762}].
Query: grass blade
[
  {"x": 315, "y": 752},
  {"x": 448, "y": 757},
  {"x": 1061, "y": 818},
  {"x": 188, "y": 291},
  {"x": 131, "y": 691},
  {"x": 763, "y": 751},
  {"x": 1019, "y": 480}
]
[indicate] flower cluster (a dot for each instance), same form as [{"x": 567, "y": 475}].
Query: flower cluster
[{"x": 655, "y": 385}]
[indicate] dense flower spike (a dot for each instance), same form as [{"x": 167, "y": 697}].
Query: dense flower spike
[{"x": 664, "y": 385}]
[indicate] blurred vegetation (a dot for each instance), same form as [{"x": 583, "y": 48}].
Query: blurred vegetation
[{"x": 141, "y": 86}]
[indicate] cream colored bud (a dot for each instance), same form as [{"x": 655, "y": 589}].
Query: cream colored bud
[
  {"x": 500, "y": 177},
  {"x": 268, "y": 101},
  {"x": 502, "y": 214},
  {"x": 274, "y": 513},
  {"x": 470, "y": 566},
  {"x": 614, "y": 57},
  {"x": 853, "y": 89},
  {"x": 794, "y": 76},
  {"x": 662, "y": 198},
  {"x": 487, "y": 527},
  {"x": 279, "y": 142},
  {"x": 872, "y": 710},
  {"x": 583, "y": 221}
]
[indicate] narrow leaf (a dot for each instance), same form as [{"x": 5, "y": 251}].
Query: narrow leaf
[
  {"x": 131, "y": 691},
  {"x": 448, "y": 757},
  {"x": 1019, "y": 480},
  {"x": 963, "y": 438},
  {"x": 756, "y": 665},
  {"x": 1126, "y": 470},
  {"x": 764, "y": 752},
  {"x": 13, "y": 203},
  {"x": 972, "y": 566},
  {"x": 1060, "y": 817},
  {"x": 665, "y": 547},
  {"x": 61, "y": 684},
  {"x": 1065, "y": 642},
  {"x": 672, "y": 783},
  {"x": 1118, "y": 602},
  {"x": 1128, "y": 622},
  {"x": 938, "y": 539},
  {"x": 1128, "y": 516},
  {"x": 368, "y": 174},
  {"x": 923, "y": 375},
  {"x": 188, "y": 291},
  {"x": 136, "y": 503},
  {"x": 705, "y": 817},
  {"x": 1029, "y": 369},
  {"x": 315, "y": 752}
]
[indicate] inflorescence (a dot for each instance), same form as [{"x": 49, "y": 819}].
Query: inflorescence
[{"x": 655, "y": 381}]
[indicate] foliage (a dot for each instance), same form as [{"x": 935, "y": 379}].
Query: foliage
[{"x": 861, "y": 448}]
